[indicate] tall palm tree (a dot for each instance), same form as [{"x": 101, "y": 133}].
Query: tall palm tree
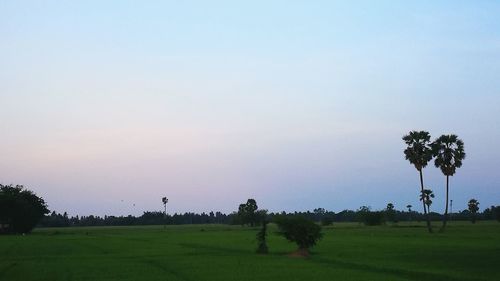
[
  {"x": 449, "y": 153},
  {"x": 419, "y": 153}
]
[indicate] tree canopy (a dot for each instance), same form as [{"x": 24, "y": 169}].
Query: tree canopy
[
  {"x": 248, "y": 214},
  {"x": 20, "y": 209},
  {"x": 305, "y": 233}
]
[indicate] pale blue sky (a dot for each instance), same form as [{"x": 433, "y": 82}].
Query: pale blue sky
[{"x": 298, "y": 104}]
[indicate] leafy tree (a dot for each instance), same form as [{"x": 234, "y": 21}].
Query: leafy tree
[
  {"x": 419, "y": 152},
  {"x": 305, "y": 233},
  {"x": 361, "y": 213},
  {"x": 449, "y": 153},
  {"x": 473, "y": 208},
  {"x": 247, "y": 212},
  {"x": 426, "y": 197},
  {"x": 20, "y": 209}
]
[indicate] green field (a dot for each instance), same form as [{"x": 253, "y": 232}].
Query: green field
[{"x": 216, "y": 252}]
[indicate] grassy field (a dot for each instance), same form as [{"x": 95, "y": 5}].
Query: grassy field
[{"x": 208, "y": 252}]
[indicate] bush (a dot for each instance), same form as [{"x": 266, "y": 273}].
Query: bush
[
  {"x": 373, "y": 218},
  {"x": 305, "y": 233},
  {"x": 20, "y": 209}
]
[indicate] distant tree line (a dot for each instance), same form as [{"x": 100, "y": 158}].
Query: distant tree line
[
  {"x": 147, "y": 218},
  {"x": 21, "y": 210},
  {"x": 319, "y": 215}
]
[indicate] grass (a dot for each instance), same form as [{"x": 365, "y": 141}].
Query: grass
[{"x": 216, "y": 252}]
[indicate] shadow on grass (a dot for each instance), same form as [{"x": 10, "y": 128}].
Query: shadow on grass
[
  {"x": 408, "y": 274},
  {"x": 162, "y": 267},
  {"x": 317, "y": 259}
]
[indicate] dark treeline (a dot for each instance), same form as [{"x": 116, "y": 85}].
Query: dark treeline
[
  {"x": 319, "y": 215},
  {"x": 147, "y": 218}
]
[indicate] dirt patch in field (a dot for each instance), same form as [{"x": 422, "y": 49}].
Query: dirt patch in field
[{"x": 300, "y": 253}]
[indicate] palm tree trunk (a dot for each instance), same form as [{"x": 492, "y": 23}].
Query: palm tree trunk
[
  {"x": 445, "y": 218},
  {"x": 429, "y": 227}
]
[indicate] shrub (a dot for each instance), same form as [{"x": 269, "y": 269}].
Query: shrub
[{"x": 305, "y": 233}]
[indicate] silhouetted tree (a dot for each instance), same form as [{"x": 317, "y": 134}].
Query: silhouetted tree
[
  {"x": 361, "y": 213},
  {"x": 449, "y": 153},
  {"x": 473, "y": 206},
  {"x": 305, "y": 233},
  {"x": 409, "y": 211},
  {"x": 390, "y": 212},
  {"x": 426, "y": 197},
  {"x": 164, "y": 200},
  {"x": 247, "y": 212},
  {"x": 20, "y": 209},
  {"x": 419, "y": 153}
]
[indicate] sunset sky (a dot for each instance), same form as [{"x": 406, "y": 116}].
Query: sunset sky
[{"x": 107, "y": 106}]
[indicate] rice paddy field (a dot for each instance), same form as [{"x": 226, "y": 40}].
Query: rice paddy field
[{"x": 348, "y": 251}]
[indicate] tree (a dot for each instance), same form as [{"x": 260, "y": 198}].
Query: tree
[
  {"x": 247, "y": 212},
  {"x": 164, "y": 200},
  {"x": 305, "y": 233},
  {"x": 390, "y": 212},
  {"x": 409, "y": 211},
  {"x": 426, "y": 197},
  {"x": 473, "y": 208},
  {"x": 419, "y": 152},
  {"x": 361, "y": 213},
  {"x": 261, "y": 239},
  {"x": 20, "y": 209},
  {"x": 449, "y": 153}
]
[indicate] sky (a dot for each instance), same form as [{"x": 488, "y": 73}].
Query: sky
[{"x": 107, "y": 106}]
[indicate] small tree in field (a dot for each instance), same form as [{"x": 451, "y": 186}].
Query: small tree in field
[
  {"x": 261, "y": 239},
  {"x": 305, "y": 233},
  {"x": 473, "y": 208}
]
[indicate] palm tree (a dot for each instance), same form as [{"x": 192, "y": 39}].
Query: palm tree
[
  {"x": 426, "y": 197},
  {"x": 409, "y": 211},
  {"x": 449, "y": 153},
  {"x": 419, "y": 153},
  {"x": 473, "y": 208}
]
